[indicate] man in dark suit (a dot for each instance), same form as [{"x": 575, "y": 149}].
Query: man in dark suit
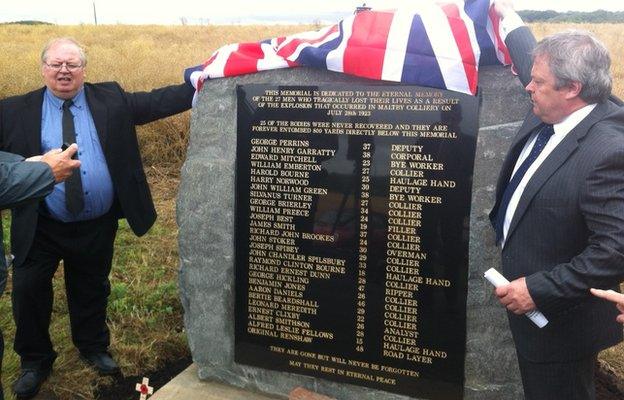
[
  {"x": 559, "y": 211},
  {"x": 77, "y": 222},
  {"x": 22, "y": 182}
]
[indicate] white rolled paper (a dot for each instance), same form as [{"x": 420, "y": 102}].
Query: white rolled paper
[{"x": 496, "y": 279}]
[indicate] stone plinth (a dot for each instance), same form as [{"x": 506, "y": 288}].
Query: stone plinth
[{"x": 205, "y": 214}]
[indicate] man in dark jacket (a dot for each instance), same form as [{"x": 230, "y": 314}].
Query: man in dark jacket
[
  {"x": 77, "y": 222},
  {"x": 559, "y": 212}
]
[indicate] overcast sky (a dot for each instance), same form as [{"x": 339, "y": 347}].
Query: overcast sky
[{"x": 239, "y": 11}]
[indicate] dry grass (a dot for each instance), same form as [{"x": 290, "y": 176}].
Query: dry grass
[
  {"x": 144, "y": 311},
  {"x": 145, "y": 316}
]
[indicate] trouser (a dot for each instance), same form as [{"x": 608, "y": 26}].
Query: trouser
[
  {"x": 86, "y": 249},
  {"x": 3, "y": 279},
  {"x": 571, "y": 380}
]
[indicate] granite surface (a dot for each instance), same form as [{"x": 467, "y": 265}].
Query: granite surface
[{"x": 205, "y": 215}]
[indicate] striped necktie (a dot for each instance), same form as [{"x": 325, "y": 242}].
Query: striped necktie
[{"x": 74, "y": 200}]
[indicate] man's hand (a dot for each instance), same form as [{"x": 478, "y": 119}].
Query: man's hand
[
  {"x": 60, "y": 161},
  {"x": 503, "y": 7},
  {"x": 515, "y": 296},
  {"x": 613, "y": 296}
]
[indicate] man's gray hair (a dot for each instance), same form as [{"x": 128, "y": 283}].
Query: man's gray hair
[
  {"x": 576, "y": 55},
  {"x": 55, "y": 41}
]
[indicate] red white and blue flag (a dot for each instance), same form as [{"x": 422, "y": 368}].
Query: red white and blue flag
[{"x": 435, "y": 45}]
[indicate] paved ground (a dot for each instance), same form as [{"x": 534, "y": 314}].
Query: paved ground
[
  {"x": 178, "y": 381},
  {"x": 188, "y": 387}
]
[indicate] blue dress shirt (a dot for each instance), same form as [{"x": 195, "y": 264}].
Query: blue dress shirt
[{"x": 96, "y": 181}]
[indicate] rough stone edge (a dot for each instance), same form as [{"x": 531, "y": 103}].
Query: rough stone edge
[
  {"x": 271, "y": 381},
  {"x": 481, "y": 304}
]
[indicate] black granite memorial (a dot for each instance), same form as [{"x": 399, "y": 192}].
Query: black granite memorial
[{"x": 351, "y": 233}]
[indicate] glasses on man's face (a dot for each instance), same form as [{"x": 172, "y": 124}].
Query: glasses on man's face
[{"x": 71, "y": 67}]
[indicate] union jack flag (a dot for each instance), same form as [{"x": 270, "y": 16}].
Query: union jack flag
[{"x": 434, "y": 45}]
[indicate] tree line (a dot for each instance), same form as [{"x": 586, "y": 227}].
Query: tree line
[{"x": 597, "y": 16}]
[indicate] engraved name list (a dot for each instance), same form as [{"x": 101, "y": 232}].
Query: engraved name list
[{"x": 352, "y": 213}]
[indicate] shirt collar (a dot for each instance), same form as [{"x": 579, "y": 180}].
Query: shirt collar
[
  {"x": 79, "y": 99},
  {"x": 572, "y": 120}
]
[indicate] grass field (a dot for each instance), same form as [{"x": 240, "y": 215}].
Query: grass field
[{"x": 144, "y": 311}]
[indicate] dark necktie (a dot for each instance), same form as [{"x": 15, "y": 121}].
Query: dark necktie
[
  {"x": 74, "y": 201},
  {"x": 543, "y": 136}
]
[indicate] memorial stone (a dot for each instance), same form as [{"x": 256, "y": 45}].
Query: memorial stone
[{"x": 211, "y": 264}]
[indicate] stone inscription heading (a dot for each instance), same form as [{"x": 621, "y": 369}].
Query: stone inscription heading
[{"x": 352, "y": 217}]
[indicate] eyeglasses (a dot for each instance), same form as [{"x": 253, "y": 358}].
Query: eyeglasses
[{"x": 71, "y": 67}]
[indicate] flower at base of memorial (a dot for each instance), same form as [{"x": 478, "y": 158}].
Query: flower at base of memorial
[{"x": 144, "y": 389}]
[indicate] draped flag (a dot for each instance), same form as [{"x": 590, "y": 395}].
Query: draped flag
[{"x": 434, "y": 45}]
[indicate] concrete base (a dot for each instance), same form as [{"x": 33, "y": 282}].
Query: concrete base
[{"x": 187, "y": 386}]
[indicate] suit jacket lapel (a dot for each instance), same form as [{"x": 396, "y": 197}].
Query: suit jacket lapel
[
  {"x": 554, "y": 160},
  {"x": 31, "y": 119},
  {"x": 99, "y": 112}
]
